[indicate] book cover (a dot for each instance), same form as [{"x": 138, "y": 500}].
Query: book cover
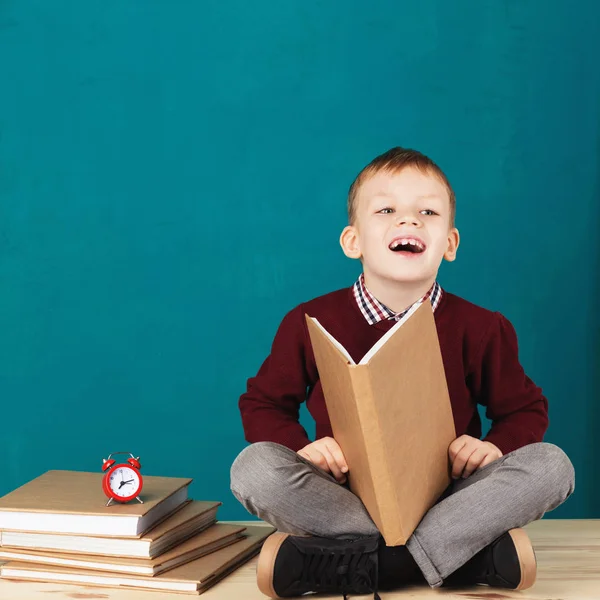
[
  {"x": 73, "y": 502},
  {"x": 392, "y": 417}
]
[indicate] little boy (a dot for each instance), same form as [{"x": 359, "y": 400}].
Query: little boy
[{"x": 401, "y": 226}]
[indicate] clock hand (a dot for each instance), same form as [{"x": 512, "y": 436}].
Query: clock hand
[{"x": 128, "y": 481}]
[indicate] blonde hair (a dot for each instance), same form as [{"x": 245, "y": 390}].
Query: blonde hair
[{"x": 393, "y": 161}]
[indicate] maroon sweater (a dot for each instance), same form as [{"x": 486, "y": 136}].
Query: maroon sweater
[{"x": 480, "y": 354}]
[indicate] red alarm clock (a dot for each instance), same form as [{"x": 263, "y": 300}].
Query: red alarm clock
[{"x": 122, "y": 482}]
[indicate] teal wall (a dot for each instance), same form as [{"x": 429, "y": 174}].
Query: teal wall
[{"x": 173, "y": 179}]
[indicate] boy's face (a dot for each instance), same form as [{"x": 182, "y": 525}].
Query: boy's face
[{"x": 402, "y": 227}]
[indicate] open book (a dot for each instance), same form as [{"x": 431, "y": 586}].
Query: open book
[{"x": 392, "y": 417}]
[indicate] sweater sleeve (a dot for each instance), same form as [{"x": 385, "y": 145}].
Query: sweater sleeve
[
  {"x": 515, "y": 405},
  {"x": 270, "y": 407}
]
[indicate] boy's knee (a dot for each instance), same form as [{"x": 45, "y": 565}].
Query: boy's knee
[
  {"x": 556, "y": 464},
  {"x": 556, "y": 460},
  {"x": 254, "y": 469}
]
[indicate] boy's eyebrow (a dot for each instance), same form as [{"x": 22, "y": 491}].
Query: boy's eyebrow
[
  {"x": 421, "y": 197},
  {"x": 428, "y": 197},
  {"x": 379, "y": 194}
]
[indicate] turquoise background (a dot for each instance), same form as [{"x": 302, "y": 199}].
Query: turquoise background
[{"x": 173, "y": 179}]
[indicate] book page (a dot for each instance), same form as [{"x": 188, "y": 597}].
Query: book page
[
  {"x": 369, "y": 355},
  {"x": 334, "y": 342}
]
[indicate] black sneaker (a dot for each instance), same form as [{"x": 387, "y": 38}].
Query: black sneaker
[
  {"x": 291, "y": 566},
  {"x": 508, "y": 562}
]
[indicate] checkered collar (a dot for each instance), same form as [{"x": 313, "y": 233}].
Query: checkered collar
[{"x": 374, "y": 311}]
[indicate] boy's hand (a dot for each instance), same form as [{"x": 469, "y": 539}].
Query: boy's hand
[
  {"x": 327, "y": 454},
  {"x": 467, "y": 454}
]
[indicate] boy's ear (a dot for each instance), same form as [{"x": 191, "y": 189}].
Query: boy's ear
[
  {"x": 453, "y": 242},
  {"x": 350, "y": 243}
]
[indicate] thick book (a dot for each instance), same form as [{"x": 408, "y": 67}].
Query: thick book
[
  {"x": 73, "y": 502},
  {"x": 392, "y": 417},
  {"x": 192, "y": 578},
  {"x": 191, "y": 519},
  {"x": 214, "y": 538}
]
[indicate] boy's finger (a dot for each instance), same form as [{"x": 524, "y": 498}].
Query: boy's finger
[
  {"x": 316, "y": 458},
  {"x": 338, "y": 455},
  {"x": 474, "y": 461},
  {"x": 304, "y": 454},
  {"x": 332, "y": 464},
  {"x": 321, "y": 461},
  {"x": 455, "y": 447},
  {"x": 490, "y": 458},
  {"x": 460, "y": 461}
]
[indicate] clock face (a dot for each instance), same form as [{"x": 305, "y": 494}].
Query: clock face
[{"x": 124, "y": 481}]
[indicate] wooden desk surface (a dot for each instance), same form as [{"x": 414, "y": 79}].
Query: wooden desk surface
[{"x": 568, "y": 553}]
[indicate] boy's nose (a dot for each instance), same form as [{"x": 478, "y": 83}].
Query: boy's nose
[{"x": 408, "y": 220}]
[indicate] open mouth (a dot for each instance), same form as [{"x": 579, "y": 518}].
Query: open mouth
[{"x": 407, "y": 245}]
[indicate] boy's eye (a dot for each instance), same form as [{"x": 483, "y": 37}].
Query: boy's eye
[{"x": 387, "y": 210}]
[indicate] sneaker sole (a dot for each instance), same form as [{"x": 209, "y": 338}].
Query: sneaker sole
[
  {"x": 266, "y": 563},
  {"x": 526, "y": 556}
]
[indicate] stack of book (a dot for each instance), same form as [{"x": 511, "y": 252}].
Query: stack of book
[{"x": 56, "y": 528}]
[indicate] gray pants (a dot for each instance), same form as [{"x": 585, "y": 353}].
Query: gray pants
[{"x": 279, "y": 486}]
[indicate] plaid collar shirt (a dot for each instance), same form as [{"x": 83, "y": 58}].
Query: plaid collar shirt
[{"x": 374, "y": 311}]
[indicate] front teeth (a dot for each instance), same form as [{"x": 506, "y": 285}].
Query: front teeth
[{"x": 405, "y": 243}]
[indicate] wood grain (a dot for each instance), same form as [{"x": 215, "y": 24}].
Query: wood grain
[{"x": 568, "y": 554}]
